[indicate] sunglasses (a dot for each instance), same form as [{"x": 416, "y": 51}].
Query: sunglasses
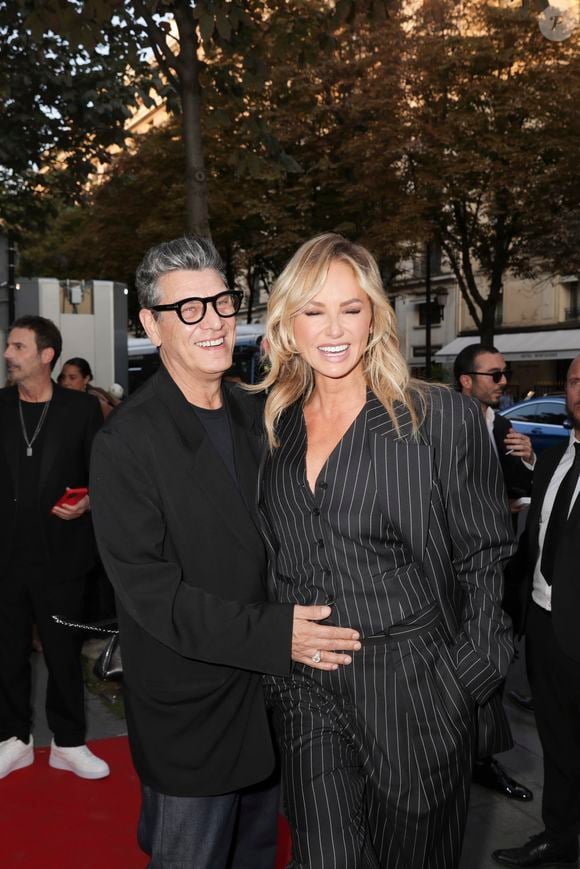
[{"x": 496, "y": 376}]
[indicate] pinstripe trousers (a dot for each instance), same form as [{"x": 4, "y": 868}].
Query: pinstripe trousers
[{"x": 377, "y": 756}]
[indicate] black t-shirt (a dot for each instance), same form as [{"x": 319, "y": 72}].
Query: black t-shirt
[
  {"x": 29, "y": 542},
  {"x": 217, "y": 426}
]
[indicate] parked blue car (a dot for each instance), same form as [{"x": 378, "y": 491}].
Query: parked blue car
[{"x": 544, "y": 420}]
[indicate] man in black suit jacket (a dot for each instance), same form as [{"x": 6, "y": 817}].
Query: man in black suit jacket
[
  {"x": 46, "y": 434},
  {"x": 480, "y": 372},
  {"x": 543, "y": 597},
  {"x": 173, "y": 482}
]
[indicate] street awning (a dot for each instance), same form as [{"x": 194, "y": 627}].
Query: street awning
[{"x": 559, "y": 344}]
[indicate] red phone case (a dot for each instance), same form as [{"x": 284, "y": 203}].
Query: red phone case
[{"x": 72, "y": 497}]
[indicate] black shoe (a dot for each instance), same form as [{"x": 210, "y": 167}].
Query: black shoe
[
  {"x": 521, "y": 700},
  {"x": 490, "y": 774},
  {"x": 539, "y": 851}
]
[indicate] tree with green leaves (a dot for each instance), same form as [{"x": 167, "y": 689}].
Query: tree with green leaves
[
  {"x": 63, "y": 105},
  {"x": 210, "y": 45},
  {"x": 486, "y": 146}
]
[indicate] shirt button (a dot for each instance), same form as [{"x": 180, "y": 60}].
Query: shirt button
[
  {"x": 323, "y": 485},
  {"x": 320, "y": 542},
  {"x": 316, "y": 512}
]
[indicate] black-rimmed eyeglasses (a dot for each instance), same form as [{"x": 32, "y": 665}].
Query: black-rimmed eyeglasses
[
  {"x": 192, "y": 310},
  {"x": 496, "y": 376}
]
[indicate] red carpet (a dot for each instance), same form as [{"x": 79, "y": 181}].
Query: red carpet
[{"x": 53, "y": 820}]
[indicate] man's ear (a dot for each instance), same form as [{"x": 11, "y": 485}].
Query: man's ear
[
  {"x": 465, "y": 381},
  {"x": 149, "y": 323},
  {"x": 47, "y": 355}
]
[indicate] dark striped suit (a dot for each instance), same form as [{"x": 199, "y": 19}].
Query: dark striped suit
[{"x": 405, "y": 537}]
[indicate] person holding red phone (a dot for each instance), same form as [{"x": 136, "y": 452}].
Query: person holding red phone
[{"x": 47, "y": 547}]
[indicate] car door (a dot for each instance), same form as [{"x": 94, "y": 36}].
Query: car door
[{"x": 542, "y": 420}]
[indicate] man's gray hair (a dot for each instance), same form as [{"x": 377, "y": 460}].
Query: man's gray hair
[{"x": 189, "y": 253}]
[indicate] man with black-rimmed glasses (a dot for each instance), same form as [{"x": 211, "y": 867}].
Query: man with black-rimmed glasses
[
  {"x": 480, "y": 372},
  {"x": 173, "y": 485}
]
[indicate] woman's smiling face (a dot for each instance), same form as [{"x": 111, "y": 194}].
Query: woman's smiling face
[{"x": 331, "y": 331}]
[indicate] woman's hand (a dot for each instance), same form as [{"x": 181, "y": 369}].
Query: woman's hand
[{"x": 320, "y": 646}]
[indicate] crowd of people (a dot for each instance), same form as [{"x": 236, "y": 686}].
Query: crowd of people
[{"x": 317, "y": 578}]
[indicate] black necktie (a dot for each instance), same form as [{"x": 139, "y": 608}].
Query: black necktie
[{"x": 559, "y": 517}]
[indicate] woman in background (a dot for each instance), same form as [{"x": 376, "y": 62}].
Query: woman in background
[
  {"x": 76, "y": 374},
  {"x": 381, "y": 497}
]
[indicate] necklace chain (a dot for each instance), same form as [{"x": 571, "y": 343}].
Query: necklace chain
[{"x": 38, "y": 425}]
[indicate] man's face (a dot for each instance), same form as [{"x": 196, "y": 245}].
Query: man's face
[
  {"x": 23, "y": 360},
  {"x": 573, "y": 393},
  {"x": 481, "y": 385},
  {"x": 202, "y": 351}
]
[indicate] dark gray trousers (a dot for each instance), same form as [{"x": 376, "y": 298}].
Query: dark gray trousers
[{"x": 230, "y": 831}]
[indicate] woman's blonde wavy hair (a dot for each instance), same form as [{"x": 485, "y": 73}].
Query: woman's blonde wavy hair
[{"x": 290, "y": 378}]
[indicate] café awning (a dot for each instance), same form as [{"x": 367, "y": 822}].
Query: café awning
[{"x": 557, "y": 344}]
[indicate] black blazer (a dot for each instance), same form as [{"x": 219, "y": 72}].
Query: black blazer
[
  {"x": 70, "y": 426},
  {"x": 520, "y": 574},
  {"x": 518, "y": 478},
  {"x": 444, "y": 497},
  {"x": 180, "y": 545}
]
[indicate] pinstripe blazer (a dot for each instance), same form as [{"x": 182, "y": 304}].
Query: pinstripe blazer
[{"x": 443, "y": 493}]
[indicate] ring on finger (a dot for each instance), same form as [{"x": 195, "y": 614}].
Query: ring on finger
[{"x": 316, "y": 657}]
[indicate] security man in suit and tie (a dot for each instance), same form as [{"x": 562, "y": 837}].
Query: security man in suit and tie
[
  {"x": 47, "y": 551},
  {"x": 543, "y": 597},
  {"x": 173, "y": 488},
  {"x": 480, "y": 372}
]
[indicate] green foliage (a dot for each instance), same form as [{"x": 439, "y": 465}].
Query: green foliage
[
  {"x": 64, "y": 102},
  {"x": 481, "y": 142},
  {"x": 454, "y": 123}
]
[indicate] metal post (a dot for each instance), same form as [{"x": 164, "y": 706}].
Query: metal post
[
  {"x": 11, "y": 278},
  {"x": 428, "y": 311}
]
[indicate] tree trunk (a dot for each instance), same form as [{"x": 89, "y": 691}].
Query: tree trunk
[
  {"x": 196, "y": 196},
  {"x": 487, "y": 328}
]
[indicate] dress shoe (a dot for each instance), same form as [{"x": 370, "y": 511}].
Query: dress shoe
[
  {"x": 490, "y": 774},
  {"x": 539, "y": 851},
  {"x": 15, "y": 754},
  {"x": 78, "y": 759},
  {"x": 522, "y": 700}
]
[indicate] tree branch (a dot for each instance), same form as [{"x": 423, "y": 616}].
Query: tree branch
[{"x": 166, "y": 59}]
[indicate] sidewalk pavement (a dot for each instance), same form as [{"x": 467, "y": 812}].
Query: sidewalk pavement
[{"x": 493, "y": 822}]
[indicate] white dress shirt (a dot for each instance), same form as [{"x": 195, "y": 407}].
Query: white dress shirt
[{"x": 541, "y": 591}]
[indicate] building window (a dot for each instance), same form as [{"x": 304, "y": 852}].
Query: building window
[
  {"x": 572, "y": 312},
  {"x": 435, "y": 313},
  {"x": 420, "y": 262}
]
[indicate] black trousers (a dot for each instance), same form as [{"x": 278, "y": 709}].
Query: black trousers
[
  {"x": 28, "y": 596},
  {"x": 555, "y": 683}
]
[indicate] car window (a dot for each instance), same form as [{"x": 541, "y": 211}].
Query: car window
[{"x": 542, "y": 412}]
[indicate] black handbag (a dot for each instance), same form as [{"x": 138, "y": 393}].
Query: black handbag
[{"x": 109, "y": 665}]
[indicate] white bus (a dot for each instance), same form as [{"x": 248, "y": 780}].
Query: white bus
[{"x": 144, "y": 357}]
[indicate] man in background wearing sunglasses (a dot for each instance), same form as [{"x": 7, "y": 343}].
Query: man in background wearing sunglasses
[
  {"x": 173, "y": 488},
  {"x": 480, "y": 372}
]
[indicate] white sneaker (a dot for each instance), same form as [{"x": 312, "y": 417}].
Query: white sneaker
[
  {"x": 78, "y": 759},
  {"x": 15, "y": 754}
]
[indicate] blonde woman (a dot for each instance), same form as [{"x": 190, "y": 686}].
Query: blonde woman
[{"x": 382, "y": 498}]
